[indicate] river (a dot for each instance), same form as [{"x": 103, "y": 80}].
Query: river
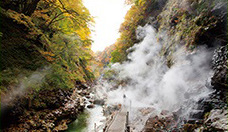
[{"x": 92, "y": 120}]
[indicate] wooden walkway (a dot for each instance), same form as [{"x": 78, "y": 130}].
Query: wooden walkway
[{"x": 119, "y": 122}]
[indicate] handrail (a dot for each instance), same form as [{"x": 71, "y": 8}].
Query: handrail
[
  {"x": 108, "y": 126},
  {"x": 127, "y": 126}
]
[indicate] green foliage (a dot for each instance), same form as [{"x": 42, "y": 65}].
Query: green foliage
[
  {"x": 70, "y": 35},
  {"x": 136, "y": 16},
  {"x": 12, "y": 76},
  {"x": 104, "y": 58},
  {"x": 58, "y": 78},
  {"x": 67, "y": 16},
  {"x": 116, "y": 56},
  {"x": 110, "y": 74},
  {"x": 57, "y": 34}
]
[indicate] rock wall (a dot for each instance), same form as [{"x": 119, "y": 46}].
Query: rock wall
[{"x": 192, "y": 23}]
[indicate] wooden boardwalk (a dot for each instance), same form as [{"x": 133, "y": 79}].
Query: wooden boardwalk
[{"x": 119, "y": 122}]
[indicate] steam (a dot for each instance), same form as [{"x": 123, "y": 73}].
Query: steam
[
  {"x": 35, "y": 79},
  {"x": 26, "y": 83},
  {"x": 150, "y": 83}
]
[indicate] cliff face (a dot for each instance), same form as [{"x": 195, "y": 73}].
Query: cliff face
[
  {"x": 192, "y": 24},
  {"x": 195, "y": 23},
  {"x": 38, "y": 85}
]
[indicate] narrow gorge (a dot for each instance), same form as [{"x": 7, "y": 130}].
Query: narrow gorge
[{"x": 166, "y": 71}]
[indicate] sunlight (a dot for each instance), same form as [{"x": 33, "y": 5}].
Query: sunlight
[{"x": 109, "y": 14}]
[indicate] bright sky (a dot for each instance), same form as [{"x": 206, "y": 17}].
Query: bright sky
[{"x": 109, "y": 14}]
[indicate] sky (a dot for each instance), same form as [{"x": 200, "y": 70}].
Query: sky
[{"x": 108, "y": 16}]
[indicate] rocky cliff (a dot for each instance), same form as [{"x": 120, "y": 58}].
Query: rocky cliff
[{"x": 191, "y": 24}]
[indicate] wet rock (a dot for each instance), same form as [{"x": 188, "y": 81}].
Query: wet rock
[{"x": 90, "y": 106}]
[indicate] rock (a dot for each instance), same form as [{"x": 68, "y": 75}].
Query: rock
[
  {"x": 26, "y": 126},
  {"x": 219, "y": 79},
  {"x": 90, "y": 106},
  {"x": 146, "y": 111},
  {"x": 62, "y": 126},
  {"x": 99, "y": 101},
  {"x": 189, "y": 127},
  {"x": 215, "y": 120},
  {"x": 88, "y": 96},
  {"x": 218, "y": 119},
  {"x": 219, "y": 10},
  {"x": 91, "y": 101},
  {"x": 197, "y": 114},
  {"x": 161, "y": 123},
  {"x": 164, "y": 112},
  {"x": 49, "y": 119}
]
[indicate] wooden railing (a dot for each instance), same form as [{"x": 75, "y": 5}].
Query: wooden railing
[
  {"x": 127, "y": 126},
  {"x": 108, "y": 124}
]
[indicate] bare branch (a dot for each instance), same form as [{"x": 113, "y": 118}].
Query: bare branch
[{"x": 58, "y": 20}]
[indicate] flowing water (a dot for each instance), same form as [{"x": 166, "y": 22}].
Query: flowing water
[
  {"x": 96, "y": 119},
  {"x": 92, "y": 120}
]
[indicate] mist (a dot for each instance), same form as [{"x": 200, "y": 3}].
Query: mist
[
  {"x": 150, "y": 83},
  {"x": 34, "y": 80}
]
